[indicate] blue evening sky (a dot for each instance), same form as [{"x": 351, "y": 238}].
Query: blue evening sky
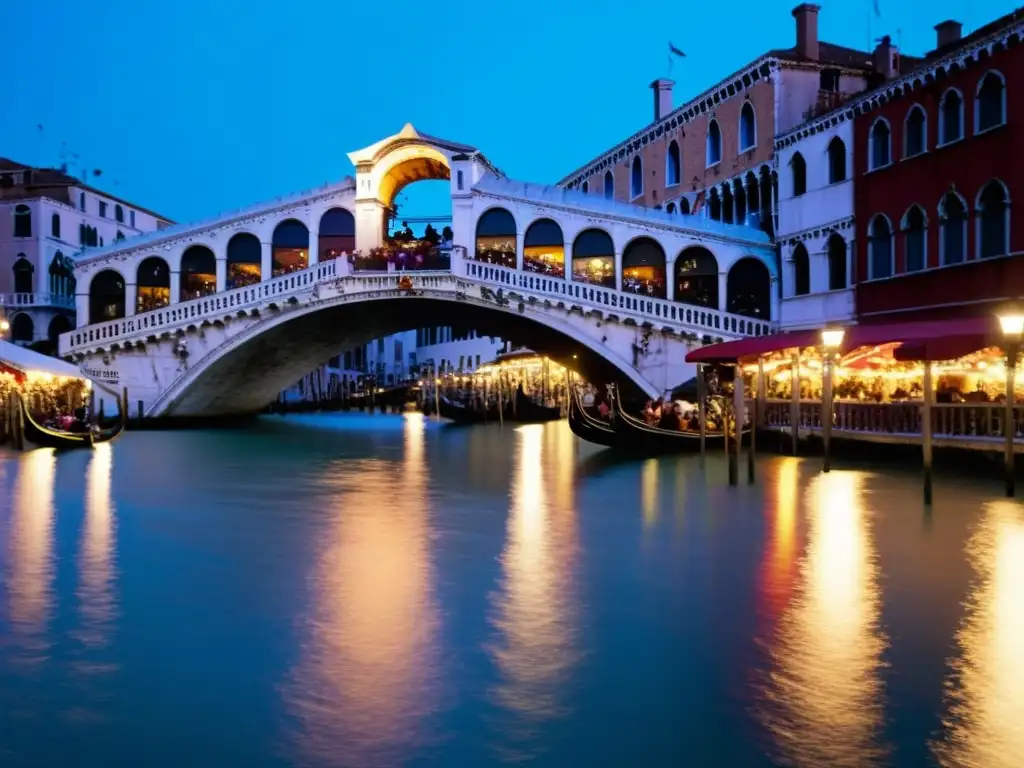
[{"x": 196, "y": 107}]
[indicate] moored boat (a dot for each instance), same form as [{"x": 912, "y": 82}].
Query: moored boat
[
  {"x": 46, "y": 437},
  {"x": 635, "y": 436},
  {"x": 585, "y": 426}
]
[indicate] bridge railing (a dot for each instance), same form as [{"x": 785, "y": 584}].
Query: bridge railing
[
  {"x": 643, "y": 308},
  {"x": 26, "y": 300},
  {"x": 166, "y": 318}
]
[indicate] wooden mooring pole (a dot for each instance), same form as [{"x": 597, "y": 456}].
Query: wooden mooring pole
[{"x": 928, "y": 397}]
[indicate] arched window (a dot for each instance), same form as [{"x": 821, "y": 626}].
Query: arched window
[
  {"x": 798, "y": 168},
  {"x": 58, "y": 325},
  {"x": 748, "y": 289},
  {"x": 684, "y": 205},
  {"x": 106, "y": 297},
  {"x": 879, "y": 248},
  {"x": 290, "y": 247},
  {"x": 714, "y": 143},
  {"x": 544, "y": 249},
  {"x": 670, "y": 208},
  {"x": 119, "y": 236},
  {"x": 55, "y": 226},
  {"x": 119, "y": 214},
  {"x": 915, "y": 239},
  {"x": 245, "y": 260},
  {"x": 198, "y": 273},
  {"x": 496, "y": 238},
  {"x": 586, "y": 187},
  {"x": 836, "y": 160},
  {"x": 337, "y": 234},
  {"x": 714, "y": 204},
  {"x": 23, "y": 330},
  {"x": 593, "y": 258},
  {"x": 62, "y": 279},
  {"x": 879, "y": 151},
  {"x": 953, "y": 229},
  {"x": 81, "y": 200},
  {"x": 672, "y": 165},
  {"x": 153, "y": 281},
  {"x": 22, "y": 221},
  {"x": 993, "y": 220},
  {"x": 609, "y": 185},
  {"x": 23, "y": 271},
  {"x": 836, "y": 250},
  {"x": 636, "y": 178},
  {"x": 990, "y": 102},
  {"x": 748, "y": 127},
  {"x": 915, "y": 132},
  {"x": 951, "y": 117},
  {"x": 643, "y": 268},
  {"x": 697, "y": 277},
  {"x": 801, "y": 271}
]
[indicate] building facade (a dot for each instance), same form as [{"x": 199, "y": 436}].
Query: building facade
[
  {"x": 937, "y": 166},
  {"x": 46, "y": 216}
]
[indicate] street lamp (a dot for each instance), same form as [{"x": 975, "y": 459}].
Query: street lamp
[
  {"x": 831, "y": 340},
  {"x": 1012, "y": 325}
]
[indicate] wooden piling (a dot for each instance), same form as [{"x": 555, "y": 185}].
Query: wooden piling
[
  {"x": 1008, "y": 425},
  {"x": 826, "y": 412},
  {"x": 702, "y": 408},
  {"x": 928, "y": 397},
  {"x": 794, "y": 405}
]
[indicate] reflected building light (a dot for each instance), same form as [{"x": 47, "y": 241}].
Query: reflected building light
[
  {"x": 29, "y": 547},
  {"x": 984, "y": 720},
  {"x": 649, "y": 492},
  {"x": 96, "y": 590},
  {"x": 534, "y": 612},
  {"x": 369, "y": 675},
  {"x": 778, "y": 570},
  {"x": 824, "y": 698}
]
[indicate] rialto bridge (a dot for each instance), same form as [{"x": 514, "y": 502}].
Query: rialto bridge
[{"x": 218, "y": 317}]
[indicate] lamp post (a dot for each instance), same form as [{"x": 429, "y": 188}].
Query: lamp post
[
  {"x": 831, "y": 341},
  {"x": 1012, "y": 325}
]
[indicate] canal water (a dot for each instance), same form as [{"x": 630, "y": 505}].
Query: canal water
[{"x": 383, "y": 591}]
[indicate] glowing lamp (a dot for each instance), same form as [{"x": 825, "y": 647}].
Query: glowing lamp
[
  {"x": 832, "y": 338},
  {"x": 4, "y": 326},
  {"x": 1012, "y": 325}
]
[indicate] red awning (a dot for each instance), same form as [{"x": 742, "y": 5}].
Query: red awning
[{"x": 927, "y": 340}]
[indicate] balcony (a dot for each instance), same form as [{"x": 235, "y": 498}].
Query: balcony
[{"x": 12, "y": 301}]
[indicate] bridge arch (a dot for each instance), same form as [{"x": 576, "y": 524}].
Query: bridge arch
[
  {"x": 106, "y": 296},
  {"x": 289, "y": 247},
  {"x": 152, "y": 284},
  {"x": 496, "y": 236},
  {"x": 593, "y": 258},
  {"x": 544, "y": 248},
  {"x": 696, "y": 276},
  {"x": 337, "y": 233},
  {"x": 643, "y": 267},
  {"x": 246, "y": 372},
  {"x": 749, "y": 288},
  {"x": 244, "y": 260},
  {"x": 198, "y": 273}
]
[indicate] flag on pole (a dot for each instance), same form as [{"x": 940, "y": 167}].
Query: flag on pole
[{"x": 675, "y": 51}]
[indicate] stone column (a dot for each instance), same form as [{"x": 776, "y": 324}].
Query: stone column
[
  {"x": 670, "y": 283},
  {"x": 567, "y": 258},
  {"x": 520, "y": 238},
  {"x": 222, "y": 274},
  {"x": 618, "y": 271},
  {"x": 131, "y": 293},
  {"x": 175, "y": 287},
  {"x": 723, "y": 285},
  {"x": 314, "y": 248},
  {"x": 266, "y": 261},
  {"x": 81, "y": 310}
]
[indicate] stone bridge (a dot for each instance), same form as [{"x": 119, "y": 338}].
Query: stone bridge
[{"x": 216, "y": 318}]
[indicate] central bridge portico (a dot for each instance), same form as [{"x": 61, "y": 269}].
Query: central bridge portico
[{"x": 218, "y": 317}]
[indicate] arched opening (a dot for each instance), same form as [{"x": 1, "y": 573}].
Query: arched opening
[
  {"x": 836, "y": 160},
  {"x": 198, "y": 273},
  {"x": 22, "y": 221},
  {"x": 728, "y": 209},
  {"x": 337, "y": 233},
  {"x": 58, "y": 325},
  {"x": 714, "y": 205},
  {"x": 244, "y": 260},
  {"x": 585, "y": 188},
  {"x": 739, "y": 202},
  {"x": 672, "y": 164},
  {"x": 697, "y": 277},
  {"x": 636, "y": 178},
  {"x": 801, "y": 271},
  {"x": 23, "y": 329},
  {"x": 993, "y": 220},
  {"x": 879, "y": 248},
  {"x": 990, "y": 103},
  {"x": 953, "y": 229},
  {"x": 544, "y": 249},
  {"x": 684, "y": 206},
  {"x": 55, "y": 225},
  {"x": 118, "y": 214},
  {"x": 609, "y": 185},
  {"x": 670, "y": 208},
  {"x": 836, "y": 250},
  {"x": 106, "y": 297},
  {"x": 951, "y": 117},
  {"x": 879, "y": 151},
  {"x": 62, "y": 277},
  {"x": 593, "y": 258},
  {"x": 915, "y": 132},
  {"x": 290, "y": 247},
  {"x": 23, "y": 275},
  {"x": 153, "y": 284},
  {"x": 749, "y": 289},
  {"x": 798, "y": 171},
  {"x": 915, "y": 242},
  {"x": 748, "y": 127},
  {"x": 643, "y": 268},
  {"x": 496, "y": 238},
  {"x": 713, "y": 147}
]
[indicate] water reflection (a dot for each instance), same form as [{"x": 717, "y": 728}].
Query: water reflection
[
  {"x": 534, "y": 612},
  {"x": 984, "y": 722},
  {"x": 823, "y": 703},
  {"x": 367, "y": 678},
  {"x": 778, "y": 571},
  {"x": 29, "y": 569},
  {"x": 96, "y": 568},
  {"x": 649, "y": 492}
]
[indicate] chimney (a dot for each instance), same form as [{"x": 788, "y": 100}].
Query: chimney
[
  {"x": 947, "y": 32},
  {"x": 884, "y": 58},
  {"x": 806, "y": 15},
  {"x": 662, "y": 97}
]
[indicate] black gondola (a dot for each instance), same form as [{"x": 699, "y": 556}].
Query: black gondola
[
  {"x": 525, "y": 411},
  {"x": 45, "y": 437},
  {"x": 585, "y": 426},
  {"x": 463, "y": 414},
  {"x": 634, "y": 436}
]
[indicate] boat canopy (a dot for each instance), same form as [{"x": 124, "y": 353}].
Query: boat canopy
[{"x": 28, "y": 362}]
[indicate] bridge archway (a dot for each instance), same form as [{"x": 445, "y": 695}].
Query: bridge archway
[
  {"x": 198, "y": 273},
  {"x": 106, "y": 296},
  {"x": 643, "y": 267},
  {"x": 337, "y": 234},
  {"x": 749, "y": 289},
  {"x": 544, "y": 248},
  {"x": 289, "y": 247},
  {"x": 153, "y": 284},
  {"x": 697, "y": 277},
  {"x": 593, "y": 258},
  {"x": 244, "y": 260},
  {"x": 496, "y": 238}
]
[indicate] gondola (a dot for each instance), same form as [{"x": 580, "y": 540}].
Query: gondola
[
  {"x": 462, "y": 414},
  {"x": 525, "y": 411},
  {"x": 585, "y": 426},
  {"x": 636, "y": 437},
  {"x": 45, "y": 437}
]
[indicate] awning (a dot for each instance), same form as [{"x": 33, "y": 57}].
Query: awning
[
  {"x": 929, "y": 340},
  {"x": 27, "y": 361}
]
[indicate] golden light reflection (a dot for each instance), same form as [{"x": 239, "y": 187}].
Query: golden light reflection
[
  {"x": 649, "y": 492},
  {"x": 778, "y": 571},
  {"x": 96, "y": 590},
  {"x": 984, "y": 719},
  {"x": 534, "y": 612},
  {"x": 368, "y": 676},
  {"x": 30, "y": 568},
  {"x": 823, "y": 703},
  {"x": 560, "y": 450}
]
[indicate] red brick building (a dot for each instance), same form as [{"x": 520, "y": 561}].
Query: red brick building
[{"x": 937, "y": 162}]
